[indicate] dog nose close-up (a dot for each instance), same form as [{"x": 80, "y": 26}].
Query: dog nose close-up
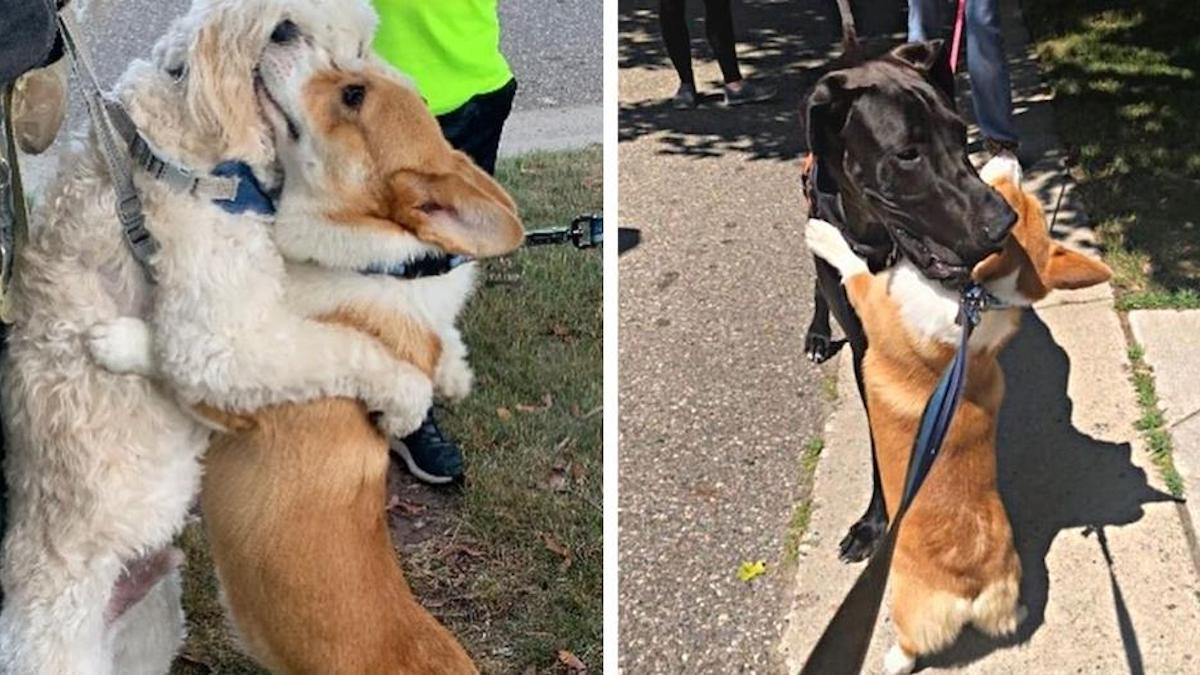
[{"x": 998, "y": 218}]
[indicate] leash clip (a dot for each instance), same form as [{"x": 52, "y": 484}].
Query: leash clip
[
  {"x": 587, "y": 231},
  {"x": 974, "y": 302}
]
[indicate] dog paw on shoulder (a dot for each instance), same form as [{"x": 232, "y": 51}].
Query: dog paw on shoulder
[
  {"x": 827, "y": 243},
  {"x": 122, "y": 345}
]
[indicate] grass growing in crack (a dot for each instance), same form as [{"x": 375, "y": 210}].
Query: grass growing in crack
[
  {"x": 1125, "y": 84},
  {"x": 802, "y": 512},
  {"x": 530, "y": 581},
  {"x": 829, "y": 387},
  {"x": 1151, "y": 424}
]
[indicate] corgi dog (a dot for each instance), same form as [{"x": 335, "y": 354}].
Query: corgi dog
[
  {"x": 293, "y": 495},
  {"x": 955, "y": 562}
]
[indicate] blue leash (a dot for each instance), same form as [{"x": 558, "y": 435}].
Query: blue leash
[{"x": 842, "y": 648}]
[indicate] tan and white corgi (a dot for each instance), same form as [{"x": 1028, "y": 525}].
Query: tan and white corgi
[
  {"x": 293, "y": 496},
  {"x": 955, "y": 562}
]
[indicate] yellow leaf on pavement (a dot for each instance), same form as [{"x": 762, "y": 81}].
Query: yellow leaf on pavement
[{"x": 750, "y": 570}]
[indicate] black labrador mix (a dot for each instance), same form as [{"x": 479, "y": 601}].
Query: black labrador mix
[{"x": 890, "y": 169}]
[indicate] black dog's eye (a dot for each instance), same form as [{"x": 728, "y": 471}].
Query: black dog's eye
[
  {"x": 353, "y": 95},
  {"x": 285, "y": 31},
  {"x": 908, "y": 155}
]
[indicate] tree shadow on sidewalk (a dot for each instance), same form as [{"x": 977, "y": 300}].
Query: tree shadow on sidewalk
[
  {"x": 1054, "y": 478},
  {"x": 785, "y": 43}
]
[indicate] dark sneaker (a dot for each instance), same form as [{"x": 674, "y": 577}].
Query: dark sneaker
[
  {"x": 685, "y": 98},
  {"x": 749, "y": 92},
  {"x": 429, "y": 454}
]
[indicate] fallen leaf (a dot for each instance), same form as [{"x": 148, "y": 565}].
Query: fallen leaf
[
  {"x": 558, "y": 548},
  {"x": 504, "y": 414},
  {"x": 556, "y": 481},
  {"x": 749, "y": 570},
  {"x": 577, "y": 473},
  {"x": 546, "y": 404},
  {"x": 560, "y": 330},
  {"x": 404, "y": 506},
  {"x": 572, "y": 662}
]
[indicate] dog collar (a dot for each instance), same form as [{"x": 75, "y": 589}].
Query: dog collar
[
  {"x": 430, "y": 266},
  {"x": 250, "y": 196}
]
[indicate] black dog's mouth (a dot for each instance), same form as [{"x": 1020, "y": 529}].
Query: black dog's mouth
[
  {"x": 293, "y": 129},
  {"x": 935, "y": 261}
]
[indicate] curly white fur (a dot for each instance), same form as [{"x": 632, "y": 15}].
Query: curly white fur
[{"x": 101, "y": 467}]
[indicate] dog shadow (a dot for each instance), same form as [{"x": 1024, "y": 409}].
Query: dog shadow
[{"x": 1053, "y": 478}]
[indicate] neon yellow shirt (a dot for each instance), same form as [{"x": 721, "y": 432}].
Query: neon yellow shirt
[{"x": 451, "y": 48}]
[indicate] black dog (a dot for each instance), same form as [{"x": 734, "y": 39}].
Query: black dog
[{"x": 890, "y": 169}]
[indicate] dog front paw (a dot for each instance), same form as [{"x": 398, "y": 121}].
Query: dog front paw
[
  {"x": 826, "y": 242},
  {"x": 122, "y": 345},
  {"x": 454, "y": 379},
  {"x": 410, "y": 404},
  {"x": 819, "y": 348}
]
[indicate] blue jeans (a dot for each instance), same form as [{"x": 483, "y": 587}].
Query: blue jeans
[{"x": 991, "y": 88}]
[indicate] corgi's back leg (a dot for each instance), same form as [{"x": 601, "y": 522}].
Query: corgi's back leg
[
  {"x": 927, "y": 620},
  {"x": 997, "y": 611}
]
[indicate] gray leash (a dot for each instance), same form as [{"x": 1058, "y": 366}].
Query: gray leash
[
  {"x": 111, "y": 122},
  {"x": 13, "y": 214}
]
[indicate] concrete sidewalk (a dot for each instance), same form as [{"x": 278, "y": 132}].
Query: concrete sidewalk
[
  {"x": 1171, "y": 341},
  {"x": 1110, "y": 580}
]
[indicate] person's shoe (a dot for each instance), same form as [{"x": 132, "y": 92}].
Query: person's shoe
[
  {"x": 39, "y": 106},
  {"x": 685, "y": 98},
  {"x": 429, "y": 454},
  {"x": 748, "y": 92}
]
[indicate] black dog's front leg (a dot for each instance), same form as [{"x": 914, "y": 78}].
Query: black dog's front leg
[
  {"x": 865, "y": 534},
  {"x": 819, "y": 345}
]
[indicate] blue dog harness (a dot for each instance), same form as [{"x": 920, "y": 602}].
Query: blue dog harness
[{"x": 250, "y": 196}]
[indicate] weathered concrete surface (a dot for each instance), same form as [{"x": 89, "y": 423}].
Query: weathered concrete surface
[{"x": 1171, "y": 340}]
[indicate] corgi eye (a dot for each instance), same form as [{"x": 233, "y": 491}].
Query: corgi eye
[{"x": 353, "y": 95}]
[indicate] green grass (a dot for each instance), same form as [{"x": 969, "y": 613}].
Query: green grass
[
  {"x": 1126, "y": 85},
  {"x": 802, "y": 511},
  {"x": 1126, "y": 81},
  {"x": 531, "y": 513},
  {"x": 1152, "y": 424}
]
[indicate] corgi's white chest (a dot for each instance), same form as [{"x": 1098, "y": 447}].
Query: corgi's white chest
[{"x": 929, "y": 310}]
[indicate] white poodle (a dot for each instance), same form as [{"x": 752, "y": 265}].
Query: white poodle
[{"x": 102, "y": 468}]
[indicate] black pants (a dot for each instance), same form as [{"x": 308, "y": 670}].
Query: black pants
[
  {"x": 475, "y": 126},
  {"x": 718, "y": 24}
]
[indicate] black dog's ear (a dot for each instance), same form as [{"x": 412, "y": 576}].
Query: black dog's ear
[
  {"x": 932, "y": 58},
  {"x": 820, "y": 115}
]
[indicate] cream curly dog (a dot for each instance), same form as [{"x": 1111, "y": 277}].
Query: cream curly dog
[{"x": 101, "y": 468}]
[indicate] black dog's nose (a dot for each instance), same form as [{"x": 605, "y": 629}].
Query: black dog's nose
[{"x": 997, "y": 218}]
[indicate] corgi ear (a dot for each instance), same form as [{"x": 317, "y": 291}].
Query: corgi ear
[
  {"x": 1069, "y": 269},
  {"x": 461, "y": 211}
]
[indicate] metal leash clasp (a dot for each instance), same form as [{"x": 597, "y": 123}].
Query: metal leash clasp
[{"x": 974, "y": 302}]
